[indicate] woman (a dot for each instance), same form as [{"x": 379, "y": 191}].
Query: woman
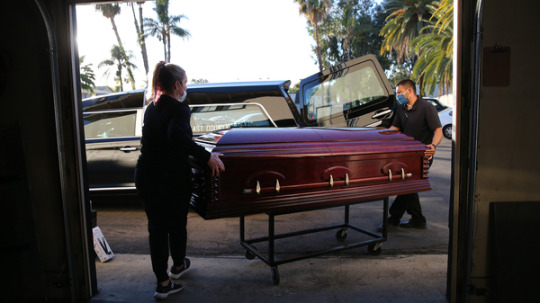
[{"x": 163, "y": 174}]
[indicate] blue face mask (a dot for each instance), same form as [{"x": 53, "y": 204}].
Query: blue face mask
[{"x": 401, "y": 99}]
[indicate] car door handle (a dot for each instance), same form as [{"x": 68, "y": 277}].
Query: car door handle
[
  {"x": 381, "y": 114},
  {"x": 128, "y": 149}
]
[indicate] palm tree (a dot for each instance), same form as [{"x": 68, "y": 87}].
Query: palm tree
[
  {"x": 164, "y": 26},
  {"x": 434, "y": 49},
  {"x": 351, "y": 30},
  {"x": 117, "y": 59},
  {"x": 353, "y": 24},
  {"x": 346, "y": 26},
  {"x": 87, "y": 76},
  {"x": 110, "y": 11},
  {"x": 315, "y": 11},
  {"x": 405, "y": 23},
  {"x": 139, "y": 26}
]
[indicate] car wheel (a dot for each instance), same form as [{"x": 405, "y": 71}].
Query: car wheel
[{"x": 447, "y": 131}]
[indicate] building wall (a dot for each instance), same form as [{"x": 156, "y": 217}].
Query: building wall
[{"x": 508, "y": 137}]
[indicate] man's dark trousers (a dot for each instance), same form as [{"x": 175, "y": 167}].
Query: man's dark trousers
[{"x": 409, "y": 203}]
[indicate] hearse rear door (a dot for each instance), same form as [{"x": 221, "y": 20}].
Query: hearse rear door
[{"x": 352, "y": 94}]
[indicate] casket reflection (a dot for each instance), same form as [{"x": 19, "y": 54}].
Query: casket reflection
[{"x": 290, "y": 169}]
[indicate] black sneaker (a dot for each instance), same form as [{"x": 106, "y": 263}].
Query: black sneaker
[
  {"x": 162, "y": 292},
  {"x": 176, "y": 274}
]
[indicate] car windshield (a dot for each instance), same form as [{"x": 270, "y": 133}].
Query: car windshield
[
  {"x": 213, "y": 117},
  {"x": 352, "y": 88}
]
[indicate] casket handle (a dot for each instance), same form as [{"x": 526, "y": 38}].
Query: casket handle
[
  {"x": 252, "y": 184},
  {"x": 278, "y": 188},
  {"x": 403, "y": 174},
  {"x": 249, "y": 190},
  {"x": 341, "y": 172}
]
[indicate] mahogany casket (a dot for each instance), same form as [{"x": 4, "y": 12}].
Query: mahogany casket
[{"x": 290, "y": 169}]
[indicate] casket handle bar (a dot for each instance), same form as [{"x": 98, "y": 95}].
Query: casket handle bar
[
  {"x": 331, "y": 180},
  {"x": 331, "y": 183},
  {"x": 258, "y": 188},
  {"x": 403, "y": 174}
]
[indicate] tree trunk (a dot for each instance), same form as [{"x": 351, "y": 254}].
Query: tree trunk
[
  {"x": 164, "y": 46},
  {"x": 120, "y": 76},
  {"x": 318, "y": 48},
  {"x": 140, "y": 35},
  {"x": 130, "y": 72},
  {"x": 168, "y": 45}
]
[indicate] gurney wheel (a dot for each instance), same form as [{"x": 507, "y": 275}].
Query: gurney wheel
[
  {"x": 372, "y": 251},
  {"x": 249, "y": 255},
  {"x": 341, "y": 235},
  {"x": 275, "y": 275}
]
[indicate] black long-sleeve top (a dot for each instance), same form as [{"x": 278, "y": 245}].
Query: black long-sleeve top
[{"x": 167, "y": 137}]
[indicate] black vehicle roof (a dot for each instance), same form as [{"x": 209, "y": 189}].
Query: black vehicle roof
[
  {"x": 114, "y": 101},
  {"x": 267, "y": 93},
  {"x": 197, "y": 94},
  {"x": 239, "y": 86},
  {"x": 234, "y": 91}
]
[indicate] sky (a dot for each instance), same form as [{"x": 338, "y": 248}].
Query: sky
[{"x": 233, "y": 40}]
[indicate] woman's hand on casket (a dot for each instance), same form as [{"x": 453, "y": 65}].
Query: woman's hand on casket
[{"x": 215, "y": 164}]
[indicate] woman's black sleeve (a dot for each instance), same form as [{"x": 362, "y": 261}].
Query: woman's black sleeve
[{"x": 180, "y": 134}]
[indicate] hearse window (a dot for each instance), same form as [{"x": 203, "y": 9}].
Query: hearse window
[
  {"x": 212, "y": 117},
  {"x": 348, "y": 89},
  {"x": 110, "y": 124}
]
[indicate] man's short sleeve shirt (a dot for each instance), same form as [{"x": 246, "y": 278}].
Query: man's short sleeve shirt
[{"x": 419, "y": 122}]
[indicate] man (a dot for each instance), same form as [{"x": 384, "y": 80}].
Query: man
[{"x": 417, "y": 118}]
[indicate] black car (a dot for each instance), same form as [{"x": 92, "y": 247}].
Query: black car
[{"x": 352, "y": 94}]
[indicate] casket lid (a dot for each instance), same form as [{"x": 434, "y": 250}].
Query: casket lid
[
  {"x": 312, "y": 141},
  {"x": 299, "y": 134}
]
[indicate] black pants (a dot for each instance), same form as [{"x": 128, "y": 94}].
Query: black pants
[
  {"x": 409, "y": 203},
  {"x": 165, "y": 199}
]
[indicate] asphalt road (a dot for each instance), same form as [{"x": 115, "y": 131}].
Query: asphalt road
[{"x": 123, "y": 224}]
